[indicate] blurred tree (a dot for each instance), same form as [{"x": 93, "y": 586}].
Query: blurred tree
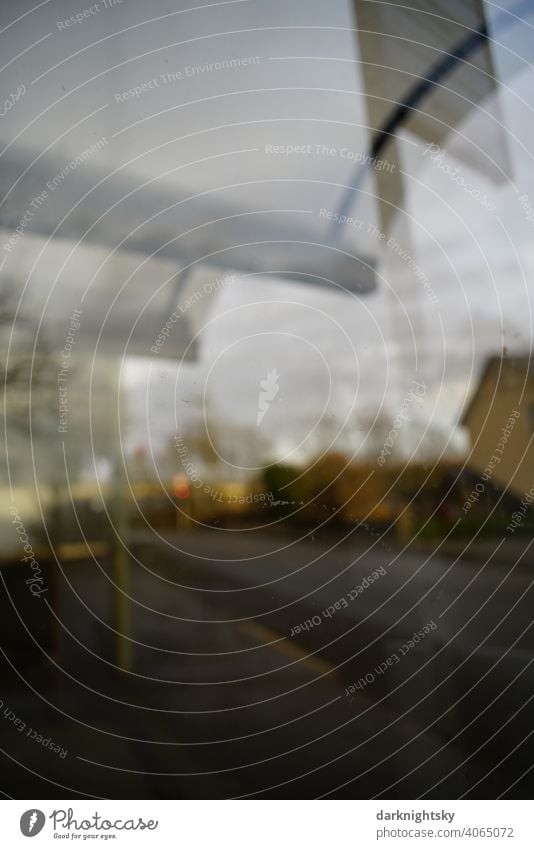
[{"x": 25, "y": 359}]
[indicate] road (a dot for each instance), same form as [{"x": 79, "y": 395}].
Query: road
[{"x": 229, "y": 696}]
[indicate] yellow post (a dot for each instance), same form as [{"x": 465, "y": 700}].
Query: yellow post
[
  {"x": 122, "y": 620},
  {"x": 122, "y": 611}
]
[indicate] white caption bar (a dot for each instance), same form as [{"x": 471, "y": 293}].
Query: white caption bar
[{"x": 266, "y": 824}]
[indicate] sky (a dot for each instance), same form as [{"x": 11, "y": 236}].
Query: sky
[{"x": 343, "y": 360}]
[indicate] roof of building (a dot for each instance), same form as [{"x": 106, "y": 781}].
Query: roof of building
[{"x": 523, "y": 363}]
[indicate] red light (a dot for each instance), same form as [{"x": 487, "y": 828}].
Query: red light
[{"x": 180, "y": 487}]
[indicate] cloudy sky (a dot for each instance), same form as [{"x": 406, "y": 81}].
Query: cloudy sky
[{"x": 341, "y": 359}]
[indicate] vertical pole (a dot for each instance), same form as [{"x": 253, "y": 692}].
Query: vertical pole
[
  {"x": 122, "y": 621},
  {"x": 55, "y": 590}
]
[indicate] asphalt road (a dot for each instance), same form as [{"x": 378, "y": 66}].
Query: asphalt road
[{"x": 229, "y": 696}]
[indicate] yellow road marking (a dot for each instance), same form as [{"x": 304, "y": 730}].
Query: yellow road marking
[
  {"x": 65, "y": 551},
  {"x": 285, "y": 646}
]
